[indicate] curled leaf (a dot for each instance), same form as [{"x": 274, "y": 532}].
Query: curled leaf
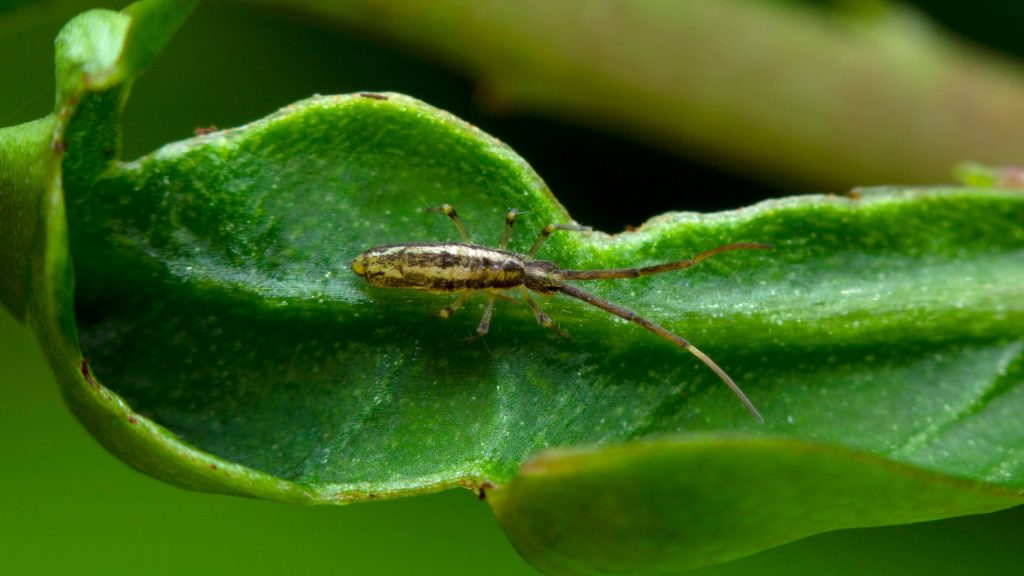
[{"x": 230, "y": 347}]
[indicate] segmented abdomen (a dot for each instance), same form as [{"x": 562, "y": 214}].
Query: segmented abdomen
[{"x": 440, "y": 267}]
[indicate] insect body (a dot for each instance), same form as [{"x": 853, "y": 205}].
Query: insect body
[
  {"x": 441, "y": 267},
  {"x": 465, "y": 267}
]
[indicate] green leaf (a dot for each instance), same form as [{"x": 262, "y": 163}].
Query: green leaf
[
  {"x": 677, "y": 503},
  {"x": 37, "y": 286},
  {"x": 232, "y": 349},
  {"x": 29, "y": 167},
  {"x": 888, "y": 324}
]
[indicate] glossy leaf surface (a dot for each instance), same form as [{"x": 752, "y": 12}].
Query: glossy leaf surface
[{"x": 232, "y": 349}]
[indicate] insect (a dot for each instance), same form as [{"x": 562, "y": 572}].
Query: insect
[{"x": 465, "y": 268}]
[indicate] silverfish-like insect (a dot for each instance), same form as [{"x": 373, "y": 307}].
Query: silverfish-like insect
[{"x": 466, "y": 267}]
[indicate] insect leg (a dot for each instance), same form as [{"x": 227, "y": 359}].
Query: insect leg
[
  {"x": 551, "y": 228},
  {"x": 451, "y": 213},
  {"x": 659, "y": 268},
  {"x": 510, "y": 219},
  {"x": 542, "y": 318},
  {"x": 671, "y": 337},
  {"x": 485, "y": 322},
  {"x": 455, "y": 305}
]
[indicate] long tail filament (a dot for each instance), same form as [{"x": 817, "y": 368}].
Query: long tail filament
[
  {"x": 651, "y": 326},
  {"x": 671, "y": 337},
  {"x": 659, "y": 268}
]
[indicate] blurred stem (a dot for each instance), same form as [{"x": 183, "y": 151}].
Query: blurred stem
[{"x": 778, "y": 89}]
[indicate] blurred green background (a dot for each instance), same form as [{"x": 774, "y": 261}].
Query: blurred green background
[{"x": 67, "y": 506}]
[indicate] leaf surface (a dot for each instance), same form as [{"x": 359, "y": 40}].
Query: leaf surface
[{"x": 231, "y": 348}]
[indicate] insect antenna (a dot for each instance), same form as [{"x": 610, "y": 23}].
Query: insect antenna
[
  {"x": 659, "y": 268},
  {"x": 671, "y": 337}
]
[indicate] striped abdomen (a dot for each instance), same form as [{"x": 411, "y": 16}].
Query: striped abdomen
[{"x": 440, "y": 267}]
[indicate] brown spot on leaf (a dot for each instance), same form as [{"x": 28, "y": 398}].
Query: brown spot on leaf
[
  {"x": 481, "y": 493},
  {"x": 86, "y": 373},
  {"x": 373, "y": 96},
  {"x": 201, "y": 130}
]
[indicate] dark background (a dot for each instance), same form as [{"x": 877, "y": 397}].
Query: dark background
[{"x": 66, "y": 505}]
